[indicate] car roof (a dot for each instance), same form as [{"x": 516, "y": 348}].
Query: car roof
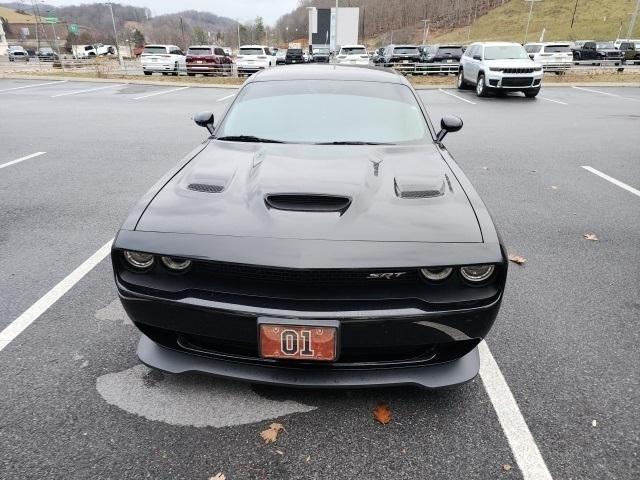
[
  {"x": 329, "y": 72},
  {"x": 497, "y": 44},
  {"x": 253, "y": 46},
  {"x": 203, "y": 46},
  {"x": 352, "y": 46}
]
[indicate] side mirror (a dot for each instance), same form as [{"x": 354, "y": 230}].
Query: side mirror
[
  {"x": 204, "y": 119},
  {"x": 448, "y": 124},
  {"x": 477, "y": 57}
]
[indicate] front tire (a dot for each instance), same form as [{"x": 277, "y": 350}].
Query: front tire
[
  {"x": 148, "y": 73},
  {"x": 461, "y": 82},
  {"x": 481, "y": 87},
  {"x": 532, "y": 93}
]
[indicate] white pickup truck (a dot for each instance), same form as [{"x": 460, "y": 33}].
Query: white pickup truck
[{"x": 97, "y": 50}]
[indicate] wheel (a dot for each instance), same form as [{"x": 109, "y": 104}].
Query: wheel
[
  {"x": 148, "y": 73},
  {"x": 165, "y": 73},
  {"x": 531, "y": 93},
  {"x": 481, "y": 88},
  {"x": 461, "y": 82},
  {"x": 191, "y": 74}
]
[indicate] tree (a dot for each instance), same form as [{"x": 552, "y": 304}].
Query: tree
[
  {"x": 258, "y": 29},
  {"x": 72, "y": 39},
  {"x": 199, "y": 35},
  {"x": 138, "y": 38}
]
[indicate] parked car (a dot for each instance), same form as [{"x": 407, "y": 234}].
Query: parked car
[
  {"x": 280, "y": 57},
  {"x": 46, "y": 54},
  {"x": 321, "y": 55},
  {"x": 401, "y": 54},
  {"x": 444, "y": 54},
  {"x": 553, "y": 56},
  {"x": 377, "y": 55},
  {"x": 424, "y": 51},
  {"x": 253, "y": 58},
  {"x": 294, "y": 55},
  {"x": 306, "y": 57},
  {"x": 596, "y": 51},
  {"x": 499, "y": 67},
  {"x": 630, "y": 52},
  {"x": 352, "y": 55},
  {"x": 208, "y": 60},
  {"x": 227, "y": 51},
  {"x": 17, "y": 54},
  {"x": 90, "y": 51},
  {"x": 165, "y": 59},
  {"x": 619, "y": 41},
  {"x": 279, "y": 252}
]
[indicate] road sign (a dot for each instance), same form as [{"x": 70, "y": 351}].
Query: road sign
[
  {"x": 51, "y": 19},
  {"x": 73, "y": 28}
]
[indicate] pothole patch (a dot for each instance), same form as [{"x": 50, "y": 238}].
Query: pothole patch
[{"x": 190, "y": 399}]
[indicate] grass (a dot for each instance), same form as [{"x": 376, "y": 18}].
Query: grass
[{"x": 594, "y": 20}]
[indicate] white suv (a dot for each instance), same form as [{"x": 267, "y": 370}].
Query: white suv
[
  {"x": 353, "y": 55},
  {"x": 165, "y": 59},
  {"x": 553, "y": 56},
  {"x": 252, "y": 58},
  {"x": 500, "y": 67}
]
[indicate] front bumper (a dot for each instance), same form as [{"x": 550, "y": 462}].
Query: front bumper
[
  {"x": 513, "y": 81},
  {"x": 158, "y": 67},
  {"x": 437, "y": 376},
  {"x": 251, "y": 67}
]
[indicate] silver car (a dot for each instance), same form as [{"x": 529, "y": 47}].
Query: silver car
[{"x": 499, "y": 67}]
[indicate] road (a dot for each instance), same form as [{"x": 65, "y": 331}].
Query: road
[{"x": 75, "y": 402}]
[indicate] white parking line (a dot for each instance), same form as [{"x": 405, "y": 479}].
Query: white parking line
[
  {"x": 607, "y": 93},
  {"x": 30, "y": 86},
  {"x": 522, "y": 443},
  {"x": 30, "y": 315},
  {"x": 21, "y": 159},
  {"x": 554, "y": 101},
  {"x": 225, "y": 98},
  {"x": 161, "y": 92},
  {"x": 456, "y": 96},
  {"x": 612, "y": 180},
  {"x": 87, "y": 90}
]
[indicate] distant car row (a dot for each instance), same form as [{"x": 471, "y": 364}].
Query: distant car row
[{"x": 17, "y": 53}]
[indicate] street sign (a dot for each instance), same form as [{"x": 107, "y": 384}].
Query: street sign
[
  {"x": 73, "y": 28},
  {"x": 51, "y": 19}
]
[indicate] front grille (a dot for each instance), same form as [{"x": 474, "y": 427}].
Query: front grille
[
  {"x": 274, "y": 276},
  {"x": 517, "y": 81},
  {"x": 519, "y": 70}
]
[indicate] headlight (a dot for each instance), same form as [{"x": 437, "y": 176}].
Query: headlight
[
  {"x": 537, "y": 69},
  {"x": 477, "y": 273},
  {"x": 436, "y": 273},
  {"x": 496, "y": 69},
  {"x": 176, "y": 264},
  {"x": 139, "y": 260}
]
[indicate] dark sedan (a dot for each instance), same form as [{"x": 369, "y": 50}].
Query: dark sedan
[{"x": 322, "y": 236}]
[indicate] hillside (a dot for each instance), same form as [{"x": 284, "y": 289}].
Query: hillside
[{"x": 595, "y": 19}]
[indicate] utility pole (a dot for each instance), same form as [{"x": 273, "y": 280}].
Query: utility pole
[
  {"x": 336, "y": 25},
  {"x": 184, "y": 44},
  {"x": 238, "y": 34},
  {"x": 115, "y": 33},
  {"x": 574, "y": 13},
  {"x": 425, "y": 31},
  {"x": 632, "y": 22},
  {"x": 529, "y": 19}
]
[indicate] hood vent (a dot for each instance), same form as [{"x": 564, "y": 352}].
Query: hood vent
[
  {"x": 297, "y": 202},
  {"x": 205, "y": 188},
  {"x": 420, "y": 187}
]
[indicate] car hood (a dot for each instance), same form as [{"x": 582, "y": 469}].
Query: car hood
[
  {"x": 511, "y": 63},
  {"x": 362, "y": 193}
]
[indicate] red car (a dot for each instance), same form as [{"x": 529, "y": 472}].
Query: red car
[{"x": 208, "y": 60}]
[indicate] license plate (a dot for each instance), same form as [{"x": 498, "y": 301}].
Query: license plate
[
  {"x": 298, "y": 342},
  {"x": 405, "y": 61},
  {"x": 450, "y": 61},
  {"x": 198, "y": 61},
  {"x": 154, "y": 59}
]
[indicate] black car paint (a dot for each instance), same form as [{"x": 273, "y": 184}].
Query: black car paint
[{"x": 384, "y": 325}]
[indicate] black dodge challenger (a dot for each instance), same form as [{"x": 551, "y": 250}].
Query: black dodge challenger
[{"x": 322, "y": 236}]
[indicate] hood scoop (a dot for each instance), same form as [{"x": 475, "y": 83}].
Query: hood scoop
[
  {"x": 205, "y": 188},
  {"x": 307, "y": 202},
  {"x": 420, "y": 187}
]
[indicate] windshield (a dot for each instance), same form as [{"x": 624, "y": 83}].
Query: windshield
[
  {"x": 326, "y": 111},
  {"x": 199, "y": 51},
  {"x": 322, "y": 51},
  {"x": 450, "y": 51},
  {"x": 295, "y": 51},
  {"x": 557, "y": 49},
  {"x": 353, "y": 51},
  {"x": 154, "y": 50},
  {"x": 406, "y": 50},
  {"x": 533, "y": 48},
  {"x": 605, "y": 45},
  {"x": 504, "y": 52},
  {"x": 251, "y": 51}
]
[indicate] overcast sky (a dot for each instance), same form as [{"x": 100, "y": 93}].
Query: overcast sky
[{"x": 270, "y": 10}]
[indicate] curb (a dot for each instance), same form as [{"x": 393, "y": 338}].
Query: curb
[
  {"x": 549, "y": 84},
  {"x": 19, "y": 76}
]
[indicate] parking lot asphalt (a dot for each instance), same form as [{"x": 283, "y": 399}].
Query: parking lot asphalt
[{"x": 76, "y": 403}]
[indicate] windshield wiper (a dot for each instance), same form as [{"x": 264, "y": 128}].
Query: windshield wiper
[
  {"x": 353, "y": 143},
  {"x": 248, "y": 138}
]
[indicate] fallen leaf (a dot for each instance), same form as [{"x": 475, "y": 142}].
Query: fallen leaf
[
  {"x": 382, "y": 413},
  {"x": 553, "y": 187},
  {"x": 594, "y": 423},
  {"x": 308, "y": 458},
  {"x": 219, "y": 476},
  {"x": 485, "y": 168},
  {"x": 506, "y": 467},
  {"x": 279, "y": 452},
  {"x": 517, "y": 259},
  {"x": 270, "y": 435},
  {"x": 591, "y": 236}
]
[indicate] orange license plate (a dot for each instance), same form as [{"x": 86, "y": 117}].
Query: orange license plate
[{"x": 298, "y": 342}]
